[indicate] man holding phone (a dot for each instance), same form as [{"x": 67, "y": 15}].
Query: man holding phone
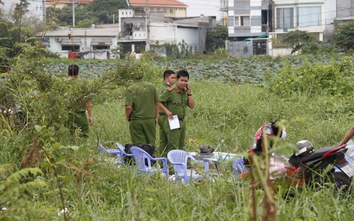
[{"x": 174, "y": 101}]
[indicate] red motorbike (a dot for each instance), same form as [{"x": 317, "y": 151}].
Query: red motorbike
[{"x": 310, "y": 168}]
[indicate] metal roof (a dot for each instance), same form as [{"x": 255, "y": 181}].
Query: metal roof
[
  {"x": 104, "y": 32},
  {"x": 154, "y": 3}
]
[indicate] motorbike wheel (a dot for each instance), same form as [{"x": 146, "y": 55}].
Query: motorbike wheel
[{"x": 342, "y": 181}]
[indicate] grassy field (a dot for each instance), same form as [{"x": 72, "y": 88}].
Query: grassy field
[{"x": 226, "y": 115}]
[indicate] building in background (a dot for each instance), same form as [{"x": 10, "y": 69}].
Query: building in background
[
  {"x": 208, "y": 8},
  {"x": 131, "y": 35},
  {"x": 345, "y": 11},
  {"x": 170, "y": 8},
  {"x": 299, "y": 15}
]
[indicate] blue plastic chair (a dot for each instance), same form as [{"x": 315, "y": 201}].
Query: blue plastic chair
[
  {"x": 108, "y": 151},
  {"x": 179, "y": 158},
  {"x": 122, "y": 153},
  {"x": 118, "y": 152},
  {"x": 142, "y": 158},
  {"x": 238, "y": 166}
]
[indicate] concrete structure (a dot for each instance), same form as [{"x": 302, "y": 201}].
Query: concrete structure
[
  {"x": 131, "y": 35},
  {"x": 345, "y": 8},
  {"x": 207, "y": 8},
  {"x": 36, "y": 8},
  {"x": 188, "y": 31},
  {"x": 81, "y": 39},
  {"x": 249, "y": 18},
  {"x": 345, "y": 11},
  {"x": 170, "y": 8}
]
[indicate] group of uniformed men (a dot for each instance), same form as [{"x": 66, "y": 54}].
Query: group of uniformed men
[{"x": 145, "y": 107}]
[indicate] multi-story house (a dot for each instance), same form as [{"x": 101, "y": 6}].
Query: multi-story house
[
  {"x": 170, "y": 8},
  {"x": 302, "y": 15},
  {"x": 248, "y": 19},
  {"x": 138, "y": 29},
  {"x": 207, "y": 8}
]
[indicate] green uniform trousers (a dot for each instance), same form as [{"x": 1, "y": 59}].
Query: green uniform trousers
[
  {"x": 78, "y": 121},
  {"x": 176, "y": 137},
  {"x": 143, "y": 131},
  {"x": 163, "y": 136}
]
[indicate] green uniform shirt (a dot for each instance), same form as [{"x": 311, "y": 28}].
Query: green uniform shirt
[
  {"x": 163, "y": 87},
  {"x": 175, "y": 101},
  {"x": 142, "y": 96},
  {"x": 79, "y": 86}
]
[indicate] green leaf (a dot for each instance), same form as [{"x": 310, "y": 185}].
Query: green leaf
[
  {"x": 56, "y": 146},
  {"x": 38, "y": 128}
]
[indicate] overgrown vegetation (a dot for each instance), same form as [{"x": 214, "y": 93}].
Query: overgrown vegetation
[
  {"x": 97, "y": 12},
  {"x": 43, "y": 171},
  {"x": 82, "y": 183},
  {"x": 343, "y": 35},
  {"x": 296, "y": 39}
]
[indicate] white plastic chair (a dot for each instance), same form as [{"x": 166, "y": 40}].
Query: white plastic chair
[{"x": 179, "y": 159}]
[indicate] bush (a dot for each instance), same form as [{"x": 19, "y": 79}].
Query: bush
[{"x": 332, "y": 79}]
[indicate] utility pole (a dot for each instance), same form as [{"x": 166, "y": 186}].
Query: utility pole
[
  {"x": 147, "y": 12},
  {"x": 44, "y": 12},
  {"x": 73, "y": 13}
]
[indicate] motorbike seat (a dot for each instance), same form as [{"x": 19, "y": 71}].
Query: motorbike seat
[{"x": 298, "y": 160}]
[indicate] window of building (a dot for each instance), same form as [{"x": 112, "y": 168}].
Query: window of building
[
  {"x": 158, "y": 9},
  {"x": 100, "y": 47},
  {"x": 171, "y": 10},
  {"x": 70, "y": 47},
  {"x": 165, "y": 9},
  {"x": 237, "y": 21},
  {"x": 285, "y": 17},
  {"x": 308, "y": 16},
  {"x": 245, "y": 20}
]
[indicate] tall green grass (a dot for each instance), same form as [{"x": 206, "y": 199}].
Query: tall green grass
[{"x": 225, "y": 116}]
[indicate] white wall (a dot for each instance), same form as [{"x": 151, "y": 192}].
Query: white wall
[
  {"x": 163, "y": 33},
  {"x": 55, "y": 45},
  {"x": 189, "y": 35},
  {"x": 174, "y": 35},
  {"x": 330, "y": 13},
  {"x": 206, "y": 7}
]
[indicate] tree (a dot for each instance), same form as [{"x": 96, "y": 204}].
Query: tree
[
  {"x": 216, "y": 38},
  {"x": 99, "y": 11},
  {"x": 343, "y": 35},
  {"x": 17, "y": 27},
  {"x": 296, "y": 39}
]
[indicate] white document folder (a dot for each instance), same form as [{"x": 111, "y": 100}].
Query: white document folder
[{"x": 174, "y": 123}]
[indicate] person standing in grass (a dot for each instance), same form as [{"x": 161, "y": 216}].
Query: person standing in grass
[
  {"x": 174, "y": 101},
  {"x": 141, "y": 110},
  {"x": 348, "y": 136},
  {"x": 168, "y": 80},
  {"x": 77, "y": 118}
]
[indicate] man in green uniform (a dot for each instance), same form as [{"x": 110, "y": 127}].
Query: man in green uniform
[
  {"x": 78, "y": 119},
  {"x": 141, "y": 110},
  {"x": 168, "y": 80},
  {"x": 174, "y": 101}
]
